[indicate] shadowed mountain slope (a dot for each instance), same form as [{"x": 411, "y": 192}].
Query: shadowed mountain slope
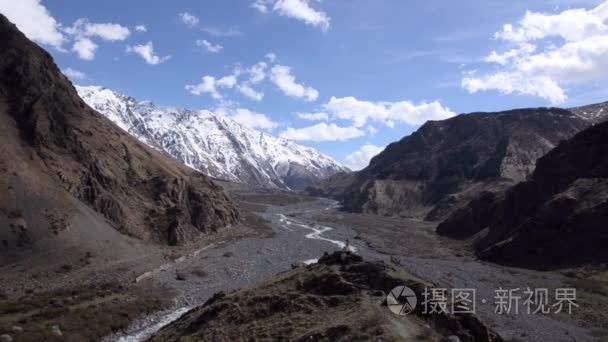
[
  {"x": 558, "y": 218},
  {"x": 58, "y": 154},
  {"x": 445, "y": 164}
]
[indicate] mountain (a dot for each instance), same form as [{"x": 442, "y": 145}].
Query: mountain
[
  {"x": 67, "y": 173},
  {"x": 340, "y": 298},
  {"x": 557, "y": 218},
  {"x": 445, "y": 164},
  {"x": 214, "y": 144},
  {"x": 595, "y": 113}
]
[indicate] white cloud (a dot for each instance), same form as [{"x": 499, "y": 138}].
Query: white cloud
[
  {"x": 257, "y": 72},
  {"x": 245, "y": 80},
  {"x": 227, "y": 81},
  {"x": 251, "y": 93},
  {"x": 189, "y": 19},
  {"x": 34, "y": 20},
  {"x": 260, "y": 5},
  {"x": 360, "y": 112},
  {"x": 360, "y": 158},
  {"x": 513, "y": 82},
  {"x": 146, "y": 51},
  {"x": 571, "y": 25},
  {"x": 253, "y": 119},
  {"x": 281, "y": 76},
  {"x": 271, "y": 57},
  {"x": 82, "y": 28},
  {"x": 206, "y": 86},
  {"x": 74, "y": 74},
  {"x": 221, "y": 32},
  {"x": 107, "y": 31},
  {"x": 322, "y": 132},
  {"x": 82, "y": 31},
  {"x": 85, "y": 48},
  {"x": 209, "y": 85},
  {"x": 141, "y": 28},
  {"x": 552, "y": 51},
  {"x": 296, "y": 9},
  {"x": 508, "y": 56},
  {"x": 210, "y": 47},
  {"x": 318, "y": 116}
]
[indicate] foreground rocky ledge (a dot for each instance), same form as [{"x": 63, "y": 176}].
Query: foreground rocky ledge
[{"x": 341, "y": 297}]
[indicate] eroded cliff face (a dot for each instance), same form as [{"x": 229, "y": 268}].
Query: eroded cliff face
[
  {"x": 557, "y": 218},
  {"x": 445, "y": 164},
  {"x": 70, "y": 150}
]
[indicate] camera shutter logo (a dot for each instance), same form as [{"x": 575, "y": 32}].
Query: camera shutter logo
[{"x": 401, "y": 300}]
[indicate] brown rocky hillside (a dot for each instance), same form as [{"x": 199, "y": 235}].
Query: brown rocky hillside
[{"x": 57, "y": 153}]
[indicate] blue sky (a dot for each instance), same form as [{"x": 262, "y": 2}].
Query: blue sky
[{"x": 370, "y": 71}]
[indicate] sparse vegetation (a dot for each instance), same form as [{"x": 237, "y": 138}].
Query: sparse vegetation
[
  {"x": 82, "y": 314},
  {"x": 199, "y": 272},
  {"x": 15, "y": 213}
]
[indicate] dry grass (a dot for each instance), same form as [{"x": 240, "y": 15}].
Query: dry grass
[{"x": 83, "y": 314}]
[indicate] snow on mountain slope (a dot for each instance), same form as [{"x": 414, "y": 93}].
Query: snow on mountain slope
[
  {"x": 595, "y": 113},
  {"x": 213, "y": 143}
]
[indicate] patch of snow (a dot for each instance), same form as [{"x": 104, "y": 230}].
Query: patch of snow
[{"x": 211, "y": 143}]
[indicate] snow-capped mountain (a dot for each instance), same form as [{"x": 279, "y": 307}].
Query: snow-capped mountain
[{"x": 213, "y": 143}]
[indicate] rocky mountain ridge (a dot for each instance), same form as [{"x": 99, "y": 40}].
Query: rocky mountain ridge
[
  {"x": 58, "y": 154},
  {"x": 557, "y": 218},
  {"x": 214, "y": 144},
  {"x": 445, "y": 164}
]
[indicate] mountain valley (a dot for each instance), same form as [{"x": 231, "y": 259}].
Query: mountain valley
[{"x": 123, "y": 220}]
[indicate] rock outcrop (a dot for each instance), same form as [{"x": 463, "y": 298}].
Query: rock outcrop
[
  {"x": 342, "y": 298},
  {"x": 557, "y": 218},
  {"x": 445, "y": 164},
  {"x": 57, "y": 150}
]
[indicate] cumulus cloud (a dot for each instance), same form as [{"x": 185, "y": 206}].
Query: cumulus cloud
[
  {"x": 251, "y": 93},
  {"x": 74, "y": 74},
  {"x": 105, "y": 31},
  {"x": 246, "y": 79},
  {"x": 281, "y": 76},
  {"x": 360, "y": 112},
  {"x": 210, "y": 47},
  {"x": 209, "y": 85},
  {"x": 253, "y": 119},
  {"x": 34, "y": 20},
  {"x": 141, "y": 28},
  {"x": 83, "y": 31},
  {"x": 360, "y": 158},
  {"x": 189, "y": 19},
  {"x": 318, "y": 116},
  {"x": 146, "y": 51},
  {"x": 322, "y": 132},
  {"x": 260, "y": 5},
  {"x": 295, "y": 9},
  {"x": 227, "y": 81},
  {"x": 546, "y": 52},
  {"x": 85, "y": 48},
  {"x": 206, "y": 86},
  {"x": 37, "y": 23},
  {"x": 257, "y": 72}
]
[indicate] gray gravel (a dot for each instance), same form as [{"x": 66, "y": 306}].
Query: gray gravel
[{"x": 241, "y": 263}]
